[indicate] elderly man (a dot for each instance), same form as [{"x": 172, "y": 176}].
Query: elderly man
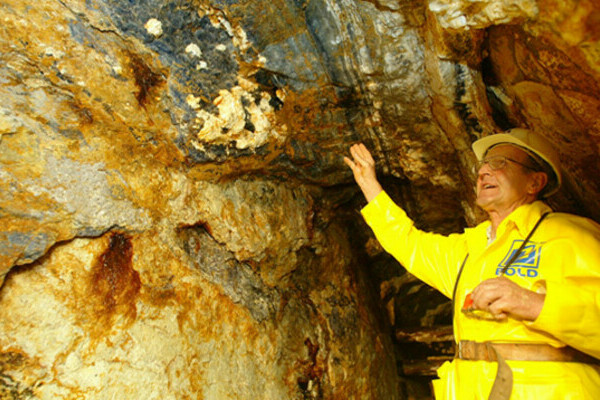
[{"x": 525, "y": 284}]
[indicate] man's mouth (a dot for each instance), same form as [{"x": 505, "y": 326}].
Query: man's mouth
[{"x": 487, "y": 186}]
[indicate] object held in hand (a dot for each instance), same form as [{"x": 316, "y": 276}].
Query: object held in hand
[{"x": 470, "y": 311}]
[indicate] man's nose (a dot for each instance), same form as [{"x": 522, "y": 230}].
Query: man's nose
[{"x": 484, "y": 169}]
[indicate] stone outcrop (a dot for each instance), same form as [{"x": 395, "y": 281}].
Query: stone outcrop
[{"x": 176, "y": 220}]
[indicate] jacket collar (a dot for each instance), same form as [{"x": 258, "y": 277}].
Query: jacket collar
[{"x": 523, "y": 219}]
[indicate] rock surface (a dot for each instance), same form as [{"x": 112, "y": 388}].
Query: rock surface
[{"x": 176, "y": 220}]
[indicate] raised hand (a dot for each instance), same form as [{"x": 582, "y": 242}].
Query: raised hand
[{"x": 363, "y": 169}]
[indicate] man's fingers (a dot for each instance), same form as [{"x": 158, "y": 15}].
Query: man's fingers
[
  {"x": 353, "y": 166},
  {"x": 349, "y": 163},
  {"x": 498, "y": 309},
  {"x": 363, "y": 168},
  {"x": 493, "y": 285},
  {"x": 362, "y": 159},
  {"x": 486, "y": 294},
  {"x": 356, "y": 153},
  {"x": 364, "y": 153},
  {"x": 500, "y": 316},
  {"x": 486, "y": 301}
]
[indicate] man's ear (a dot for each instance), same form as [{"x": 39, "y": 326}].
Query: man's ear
[{"x": 538, "y": 182}]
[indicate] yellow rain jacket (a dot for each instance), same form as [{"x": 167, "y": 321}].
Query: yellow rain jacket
[{"x": 562, "y": 256}]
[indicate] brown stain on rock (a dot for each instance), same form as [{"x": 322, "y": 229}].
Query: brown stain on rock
[
  {"x": 309, "y": 382},
  {"x": 11, "y": 359},
  {"x": 114, "y": 285},
  {"x": 145, "y": 78}
]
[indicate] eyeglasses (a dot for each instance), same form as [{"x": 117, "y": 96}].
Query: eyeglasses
[{"x": 498, "y": 162}]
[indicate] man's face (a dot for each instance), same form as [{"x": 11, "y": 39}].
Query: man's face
[{"x": 503, "y": 190}]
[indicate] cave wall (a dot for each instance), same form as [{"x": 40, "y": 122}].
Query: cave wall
[
  {"x": 172, "y": 312},
  {"x": 176, "y": 220}
]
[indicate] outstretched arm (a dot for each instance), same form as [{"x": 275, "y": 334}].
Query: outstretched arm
[{"x": 363, "y": 168}]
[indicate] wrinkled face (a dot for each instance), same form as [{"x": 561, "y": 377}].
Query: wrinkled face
[{"x": 504, "y": 189}]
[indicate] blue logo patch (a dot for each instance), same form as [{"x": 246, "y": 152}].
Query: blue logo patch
[{"x": 526, "y": 265}]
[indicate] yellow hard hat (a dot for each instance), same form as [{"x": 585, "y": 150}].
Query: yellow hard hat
[{"x": 530, "y": 141}]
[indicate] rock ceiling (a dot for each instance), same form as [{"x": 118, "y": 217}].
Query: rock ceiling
[{"x": 172, "y": 169}]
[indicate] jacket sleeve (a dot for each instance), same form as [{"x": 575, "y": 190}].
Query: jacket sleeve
[
  {"x": 571, "y": 310},
  {"x": 433, "y": 258}
]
